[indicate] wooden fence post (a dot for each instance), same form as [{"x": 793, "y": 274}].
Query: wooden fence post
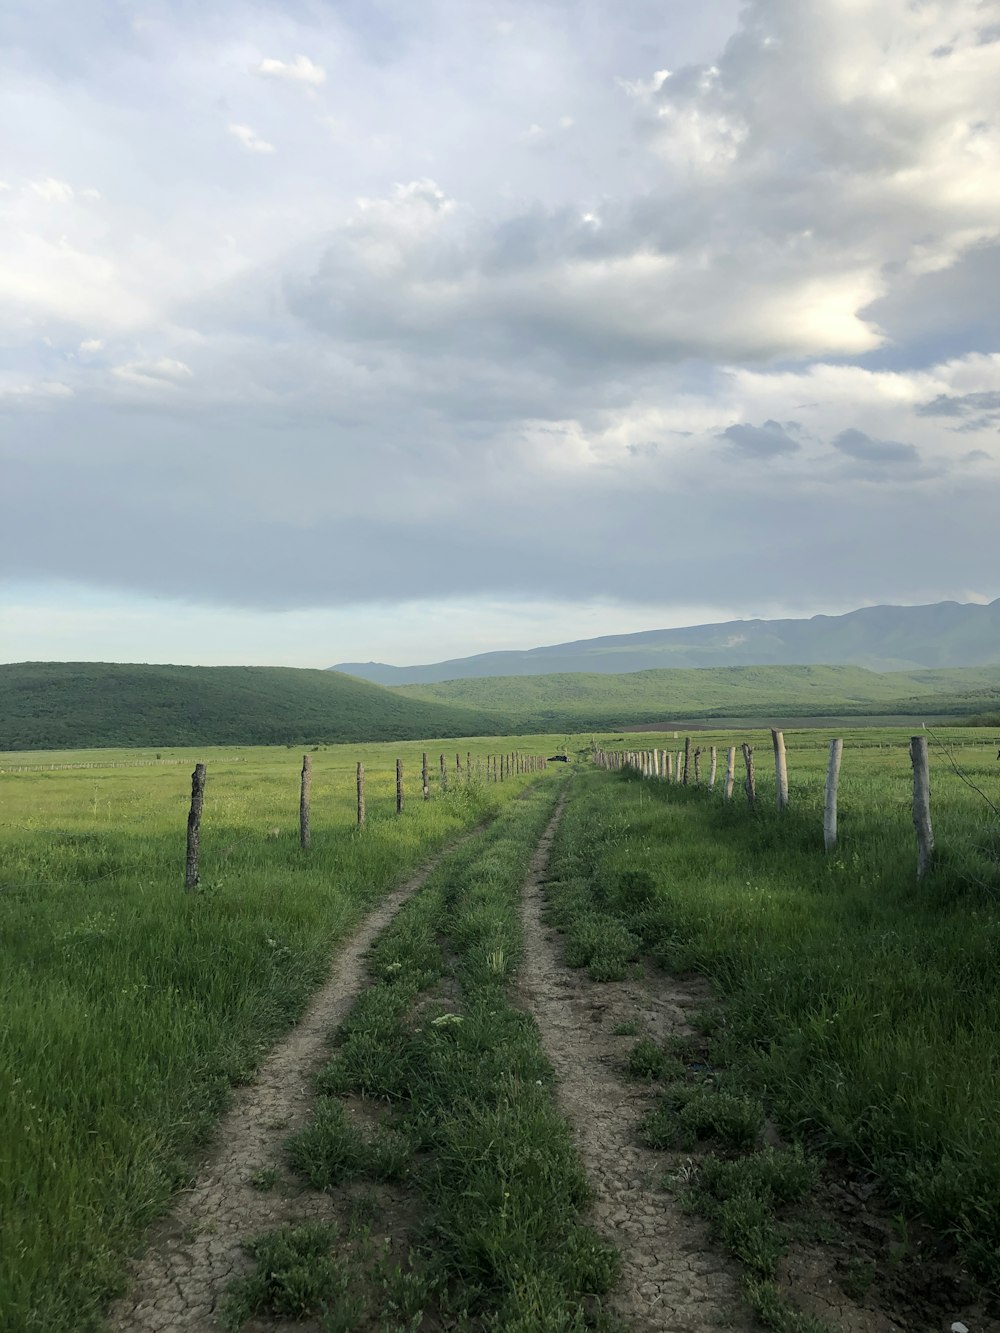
[
  {"x": 697, "y": 767},
  {"x": 780, "y": 768},
  {"x": 361, "y": 794},
  {"x": 727, "y": 791},
  {"x": 194, "y": 826},
  {"x": 750, "y": 781},
  {"x": 424, "y": 779},
  {"x": 399, "y": 786},
  {"x": 304, "y": 831},
  {"x": 687, "y": 759},
  {"x": 468, "y": 763},
  {"x": 444, "y": 774},
  {"x": 712, "y": 766},
  {"x": 922, "y": 803},
  {"x": 830, "y": 802}
]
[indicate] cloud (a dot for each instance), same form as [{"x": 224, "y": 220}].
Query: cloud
[
  {"x": 52, "y": 191},
  {"x": 882, "y": 453},
  {"x": 163, "y": 370},
  {"x": 300, "y": 70},
  {"x": 948, "y": 405},
  {"x": 766, "y": 441},
  {"x": 250, "y": 139}
]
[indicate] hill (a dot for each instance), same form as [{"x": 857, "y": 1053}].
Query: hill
[
  {"x": 590, "y": 699},
  {"x": 71, "y": 705},
  {"x": 881, "y": 638}
]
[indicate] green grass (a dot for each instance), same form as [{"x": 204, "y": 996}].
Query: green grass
[
  {"x": 492, "y": 1165},
  {"x": 861, "y": 1006},
  {"x": 60, "y": 705},
  {"x": 577, "y": 700},
  {"x": 130, "y": 1008}
]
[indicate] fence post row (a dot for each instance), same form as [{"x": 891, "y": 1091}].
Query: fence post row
[{"x": 194, "y": 827}]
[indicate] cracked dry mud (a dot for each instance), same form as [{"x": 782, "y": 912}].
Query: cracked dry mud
[
  {"x": 673, "y": 1280},
  {"x": 195, "y": 1252}
]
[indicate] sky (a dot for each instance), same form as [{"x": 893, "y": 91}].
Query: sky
[{"x": 339, "y": 330}]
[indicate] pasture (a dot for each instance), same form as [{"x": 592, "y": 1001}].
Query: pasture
[
  {"x": 130, "y": 1008},
  {"x": 859, "y": 1008}
]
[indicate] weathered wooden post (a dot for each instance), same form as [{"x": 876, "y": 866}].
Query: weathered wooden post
[
  {"x": 687, "y": 759},
  {"x": 922, "y": 803},
  {"x": 830, "y": 802},
  {"x": 750, "y": 781},
  {"x": 444, "y": 774},
  {"x": 468, "y": 763},
  {"x": 306, "y": 787},
  {"x": 697, "y": 767},
  {"x": 194, "y": 827},
  {"x": 361, "y": 795},
  {"x": 727, "y": 791},
  {"x": 399, "y": 786},
  {"x": 424, "y": 778},
  {"x": 780, "y": 768},
  {"x": 712, "y": 766}
]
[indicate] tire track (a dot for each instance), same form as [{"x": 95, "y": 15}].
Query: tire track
[
  {"x": 195, "y": 1252},
  {"x": 673, "y": 1280}
]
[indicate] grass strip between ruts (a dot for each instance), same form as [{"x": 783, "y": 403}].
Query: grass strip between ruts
[{"x": 474, "y": 1128}]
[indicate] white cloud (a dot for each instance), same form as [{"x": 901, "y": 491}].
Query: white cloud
[
  {"x": 52, "y": 190},
  {"x": 162, "y": 370},
  {"x": 300, "y": 70},
  {"x": 92, "y": 345},
  {"x": 250, "y": 139}
]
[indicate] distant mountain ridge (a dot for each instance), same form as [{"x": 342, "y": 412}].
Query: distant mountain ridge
[{"x": 881, "y": 638}]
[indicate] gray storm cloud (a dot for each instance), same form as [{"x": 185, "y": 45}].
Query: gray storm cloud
[{"x": 521, "y": 307}]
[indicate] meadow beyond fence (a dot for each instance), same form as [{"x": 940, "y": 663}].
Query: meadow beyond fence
[{"x": 132, "y": 1007}]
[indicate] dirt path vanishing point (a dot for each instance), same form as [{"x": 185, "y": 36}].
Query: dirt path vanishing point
[
  {"x": 196, "y": 1250},
  {"x": 673, "y": 1280}
]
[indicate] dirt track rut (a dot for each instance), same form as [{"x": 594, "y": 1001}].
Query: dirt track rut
[
  {"x": 196, "y": 1251},
  {"x": 673, "y": 1280}
]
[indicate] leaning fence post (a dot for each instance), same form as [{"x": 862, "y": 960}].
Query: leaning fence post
[
  {"x": 423, "y": 778},
  {"x": 830, "y": 803},
  {"x": 712, "y": 765},
  {"x": 750, "y": 781},
  {"x": 304, "y": 801},
  {"x": 727, "y": 791},
  {"x": 922, "y": 803},
  {"x": 361, "y": 794},
  {"x": 780, "y": 768},
  {"x": 194, "y": 826},
  {"x": 399, "y": 786}
]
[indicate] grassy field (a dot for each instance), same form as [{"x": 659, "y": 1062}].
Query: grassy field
[
  {"x": 49, "y": 705},
  {"x": 590, "y": 699},
  {"x": 131, "y": 1008},
  {"x": 861, "y": 1006}
]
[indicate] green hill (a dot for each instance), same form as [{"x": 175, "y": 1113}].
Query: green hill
[
  {"x": 591, "y": 699},
  {"x": 76, "y": 705}
]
